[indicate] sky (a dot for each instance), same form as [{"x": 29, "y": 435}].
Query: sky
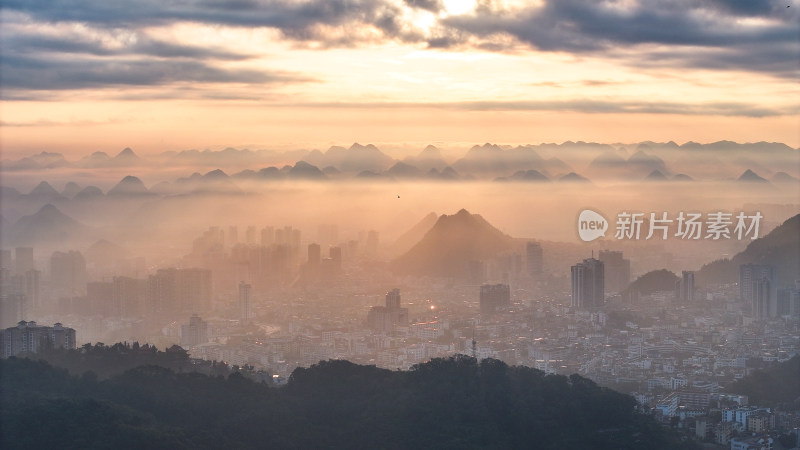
[{"x": 155, "y": 75}]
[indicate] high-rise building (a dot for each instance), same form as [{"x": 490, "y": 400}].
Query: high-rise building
[
  {"x": 493, "y": 297},
  {"x": 27, "y": 337},
  {"x": 588, "y": 284},
  {"x": 100, "y": 296},
  {"x": 245, "y": 308},
  {"x": 371, "y": 247},
  {"x": 32, "y": 289},
  {"x": 13, "y": 308},
  {"x": 393, "y": 299},
  {"x": 128, "y": 296},
  {"x": 6, "y": 260},
  {"x": 328, "y": 235},
  {"x": 748, "y": 274},
  {"x": 336, "y": 256},
  {"x": 762, "y": 290},
  {"x": 178, "y": 291},
  {"x": 788, "y": 303},
  {"x": 23, "y": 259},
  {"x": 533, "y": 258},
  {"x": 384, "y": 318},
  {"x": 314, "y": 254},
  {"x": 685, "y": 287},
  {"x": 250, "y": 235},
  {"x": 195, "y": 332},
  {"x": 267, "y": 235},
  {"x": 617, "y": 270},
  {"x": 68, "y": 272},
  {"x": 233, "y": 235},
  {"x": 476, "y": 271}
]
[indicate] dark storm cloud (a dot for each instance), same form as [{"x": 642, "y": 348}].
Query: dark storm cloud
[
  {"x": 28, "y": 43},
  {"x": 429, "y": 5},
  {"x": 652, "y": 33},
  {"x": 591, "y": 27},
  {"x": 35, "y": 73},
  {"x": 751, "y": 7},
  {"x": 295, "y": 19}
]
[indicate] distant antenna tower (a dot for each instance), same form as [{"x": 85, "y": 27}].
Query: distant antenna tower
[{"x": 474, "y": 344}]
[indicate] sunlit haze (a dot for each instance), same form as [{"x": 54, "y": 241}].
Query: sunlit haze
[{"x": 439, "y": 223}]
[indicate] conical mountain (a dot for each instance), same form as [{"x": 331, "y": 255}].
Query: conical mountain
[
  {"x": 89, "y": 192},
  {"x": 447, "y": 249},
  {"x": 48, "y": 224},
  {"x": 127, "y": 156},
  {"x": 43, "y": 189},
  {"x": 783, "y": 177},
  {"x": 656, "y": 175},
  {"x": 750, "y": 176},
  {"x": 96, "y": 159},
  {"x": 305, "y": 171},
  {"x": 129, "y": 186},
  {"x": 404, "y": 170},
  {"x": 430, "y": 151},
  {"x": 573, "y": 177},
  {"x": 427, "y": 159}
]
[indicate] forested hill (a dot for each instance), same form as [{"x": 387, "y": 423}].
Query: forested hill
[
  {"x": 779, "y": 385},
  {"x": 446, "y": 403}
]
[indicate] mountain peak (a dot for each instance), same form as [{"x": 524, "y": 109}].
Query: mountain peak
[
  {"x": 216, "y": 174},
  {"x": 44, "y": 188},
  {"x": 130, "y": 185},
  {"x": 656, "y": 175},
  {"x": 47, "y": 224},
  {"x": 430, "y": 151},
  {"x": 49, "y": 209},
  {"x": 452, "y": 244},
  {"x": 751, "y": 176},
  {"x": 127, "y": 154}
]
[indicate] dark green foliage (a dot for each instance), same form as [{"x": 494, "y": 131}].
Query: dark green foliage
[
  {"x": 780, "y": 248},
  {"x": 778, "y": 386},
  {"x": 655, "y": 281},
  {"x": 446, "y": 403}
]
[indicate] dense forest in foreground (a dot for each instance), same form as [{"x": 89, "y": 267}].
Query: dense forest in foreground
[{"x": 456, "y": 402}]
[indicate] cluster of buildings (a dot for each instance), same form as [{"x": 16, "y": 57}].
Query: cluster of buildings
[
  {"x": 28, "y": 337},
  {"x": 676, "y": 350}
]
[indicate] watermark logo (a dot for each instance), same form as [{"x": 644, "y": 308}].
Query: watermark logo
[
  {"x": 686, "y": 226},
  {"x": 591, "y": 225}
]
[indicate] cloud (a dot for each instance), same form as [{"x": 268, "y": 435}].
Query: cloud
[
  {"x": 38, "y": 73},
  {"x": 433, "y": 6},
  {"x": 28, "y": 43},
  {"x": 588, "y": 27},
  {"x": 50, "y": 57},
  {"x": 738, "y": 35},
  {"x": 295, "y": 19},
  {"x": 582, "y": 106}
]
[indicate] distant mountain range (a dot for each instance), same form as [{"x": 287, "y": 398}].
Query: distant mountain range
[{"x": 754, "y": 161}]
